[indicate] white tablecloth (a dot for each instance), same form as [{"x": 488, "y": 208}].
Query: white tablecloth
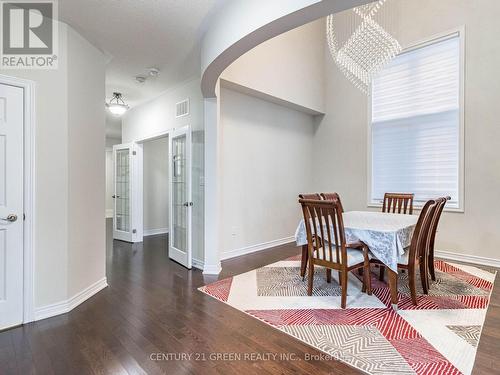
[{"x": 387, "y": 235}]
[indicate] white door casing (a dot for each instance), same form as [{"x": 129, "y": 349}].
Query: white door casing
[
  {"x": 11, "y": 205},
  {"x": 180, "y": 202},
  {"x": 128, "y": 205}
]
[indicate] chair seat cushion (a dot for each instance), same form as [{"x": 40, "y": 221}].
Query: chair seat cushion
[{"x": 354, "y": 256}]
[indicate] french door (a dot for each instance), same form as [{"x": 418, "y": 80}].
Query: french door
[
  {"x": 127, "y": 215},
  {"x": 181, "y": 205},
  {"x": 11, "y": 205}
]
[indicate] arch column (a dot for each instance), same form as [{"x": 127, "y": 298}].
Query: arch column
[{"x": 213, "y": 169}]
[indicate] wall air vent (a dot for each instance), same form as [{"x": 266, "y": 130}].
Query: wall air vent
[{"x": 182, "y": 108}]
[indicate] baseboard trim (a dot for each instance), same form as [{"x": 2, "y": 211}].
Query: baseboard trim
[
  {"x": 254, "y": 248},
  {"x": 213, "y": 269},
  {"x": 63, "y": 307},
  {"x": 198, "y": 263},
  {"x": 109, "y": 213},
  {"x": 155, "y": 232},
  {"x": 467, "y": 258}
]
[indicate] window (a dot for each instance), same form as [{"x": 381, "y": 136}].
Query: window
[{"x": 416, "y": 124}]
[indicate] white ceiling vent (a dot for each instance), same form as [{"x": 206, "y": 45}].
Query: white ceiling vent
[{"x": 182, "y": 108}]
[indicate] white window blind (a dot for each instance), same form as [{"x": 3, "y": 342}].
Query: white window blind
[{"x": 416, "y": 123}]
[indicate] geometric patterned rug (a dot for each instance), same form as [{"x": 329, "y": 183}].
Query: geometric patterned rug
[{"x": 438, "y": 336}]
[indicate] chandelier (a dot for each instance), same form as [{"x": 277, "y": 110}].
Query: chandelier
[
  {"x": 360, "y": 41},
  {"x": 116, "y": 105}
]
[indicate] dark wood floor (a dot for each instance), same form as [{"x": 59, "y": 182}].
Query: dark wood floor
[{"x": 152, "y": 306}]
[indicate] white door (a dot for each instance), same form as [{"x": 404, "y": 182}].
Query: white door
[
  {"x": 11, "y": 205},
  {"x": 181, "y": 205},
  {"x": 127, "y": 215}
]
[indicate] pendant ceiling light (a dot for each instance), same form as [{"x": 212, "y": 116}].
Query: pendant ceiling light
[
  {"x": 361, "y": 40},
  {"x": 116, "y": 105}
]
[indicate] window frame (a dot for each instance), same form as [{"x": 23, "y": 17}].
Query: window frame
[{"x": 460, "y": 33}]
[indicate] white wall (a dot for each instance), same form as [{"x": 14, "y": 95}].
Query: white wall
[
  {"x": 156, "y": 186},
  {"x": 110, "y": 142},
  {"x": 157, "y": 116},
  {"x": 86, "y": 177},
  {"x": 266, "y": 162},
  {"x": 266, "y": 147},
  {"x": 243, "y": 17},
  {"x": 109, "y": 184},
  {"x": 59, "y": 125},
  {"x": 113, "y": 126},
  {"x": 289, "y": 67},
  {"x": 340, "y": 141}
]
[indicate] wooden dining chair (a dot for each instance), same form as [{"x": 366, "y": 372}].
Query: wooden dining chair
[
  {"x": 398, "y": 203},
  {"x": 331, "y": 197},
  {"x": 323, "y": 219},
  {"x": 314, "y": 196},
  {"x": 434, "y": 225},
  {"x": 417, "y": 254}
]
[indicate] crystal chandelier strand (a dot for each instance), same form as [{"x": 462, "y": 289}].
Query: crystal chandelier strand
[{"x": 368, "y": 48}]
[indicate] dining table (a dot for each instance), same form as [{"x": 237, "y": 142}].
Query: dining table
[{"x": 387, "y": 236}]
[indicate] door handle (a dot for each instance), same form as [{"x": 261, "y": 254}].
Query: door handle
[
  {"x": 10, "y": 218},
  {"x": 115, "y": 196},
  {"x": 188, "y": 204}
]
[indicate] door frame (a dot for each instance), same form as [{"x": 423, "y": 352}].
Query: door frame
[
  {"x": 28, "y": 87},
  {"x": 140, "y": 144},
  {"x": 170, "y": 133}
]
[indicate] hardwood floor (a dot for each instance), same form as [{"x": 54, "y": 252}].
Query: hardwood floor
[{"x": 152, "y": 309}]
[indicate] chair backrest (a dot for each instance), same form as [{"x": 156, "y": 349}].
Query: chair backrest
[
  {"x": 332, "y": 197},
  {"x": 323, "y": 218},
  {"x": 314, "y": 196},
  {"x": 397, "y": 202},
  {"x": 435, "y": 221},
  {"x": 420, "y": 238}
]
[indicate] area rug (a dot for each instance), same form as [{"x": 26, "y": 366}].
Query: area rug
[{"x": 438, "y": 336}]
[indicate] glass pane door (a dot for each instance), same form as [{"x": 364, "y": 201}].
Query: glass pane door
[
  {"x": 122, "y": 196},
  {"x": 127, "y": 218},
  {"x": 180, "y": 198},
  {"x": 179, "y": 193}
]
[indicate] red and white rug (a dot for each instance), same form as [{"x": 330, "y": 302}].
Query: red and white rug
[{"x": 439, "y": 336}]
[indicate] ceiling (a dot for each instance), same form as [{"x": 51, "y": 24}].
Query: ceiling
[{"x": 139, "y": 34}]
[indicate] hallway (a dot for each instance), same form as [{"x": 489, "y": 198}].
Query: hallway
[{"x": 152, "y": 306}]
